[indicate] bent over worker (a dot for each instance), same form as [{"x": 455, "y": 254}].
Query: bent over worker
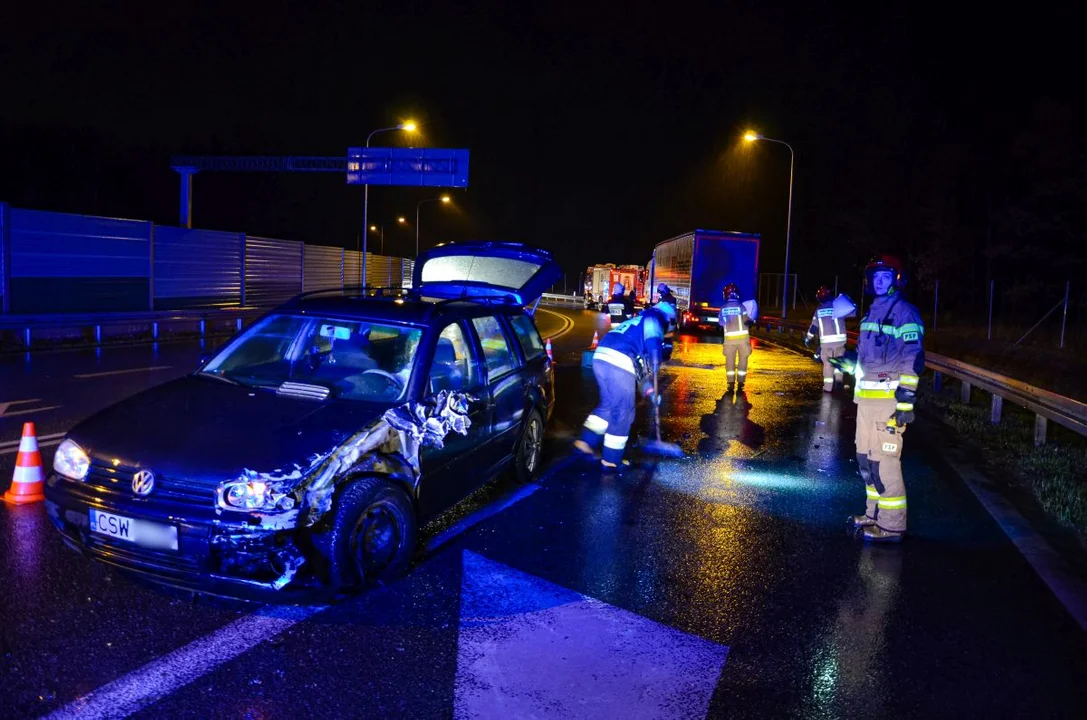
[
  {"x": 623, "y": 358},
  {"x": 735, "y": 321},
  {"x": 830, "y": 329},
  {"x": 887, "y": 364}
]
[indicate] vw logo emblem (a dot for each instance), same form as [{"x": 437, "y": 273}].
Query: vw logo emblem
[{"x": 143, "y": 482}]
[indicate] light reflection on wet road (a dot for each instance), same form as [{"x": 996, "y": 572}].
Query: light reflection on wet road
[{"x": 738, "y": 550}]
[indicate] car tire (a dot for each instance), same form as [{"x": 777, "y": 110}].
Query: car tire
[
  {"x": 373, "y": 534},
  {"x": 528, "y": 454}
]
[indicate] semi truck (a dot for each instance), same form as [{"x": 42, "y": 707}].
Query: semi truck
[{"x": 697, "y": 265}]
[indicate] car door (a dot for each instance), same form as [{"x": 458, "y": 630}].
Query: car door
[
  {"x": 538, "y": 370},
  {"x": 448, "y": 471},
  {"x": 505, "y": 382}
]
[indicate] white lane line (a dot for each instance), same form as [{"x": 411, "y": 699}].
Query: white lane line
[
  {"x": 122, "y": 372},
  {"x": 157, "y": 679},
  {"x": 41, "y": 445},
  {"x": 30, "y": 411},
  {"x": 52, "y": 438},
  {"x": 569, "y": 323},
  {"x": 1064, "y": 582},
  {"x": 8, "y": 403}
]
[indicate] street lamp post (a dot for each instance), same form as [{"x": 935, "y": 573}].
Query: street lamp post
[
  {"x": 409, "y": 127},
  {"x": 752, "y": 137},
  {"x": 444, "y": 199},
  {"x": 380, "y": 230}
]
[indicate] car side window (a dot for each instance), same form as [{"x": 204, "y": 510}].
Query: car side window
[
  {"x": 455, "y": 366},
  {"x": 528, "y": 336},
  {"x": 496, "y": 349}
]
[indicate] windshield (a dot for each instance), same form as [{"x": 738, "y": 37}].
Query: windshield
[{"x": 351, "y": 359}]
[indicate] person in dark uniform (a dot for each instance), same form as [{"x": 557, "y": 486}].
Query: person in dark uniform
[{"x": 631, "y": 351}]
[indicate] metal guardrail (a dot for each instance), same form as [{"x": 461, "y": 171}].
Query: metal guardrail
[
  {"x": 556, "y": 299},
  {"x": 27, "y": 325},
  {"x": 1045, "y": 405}
]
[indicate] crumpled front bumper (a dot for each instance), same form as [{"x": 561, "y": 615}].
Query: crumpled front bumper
[{"x": 212, "y": 555}]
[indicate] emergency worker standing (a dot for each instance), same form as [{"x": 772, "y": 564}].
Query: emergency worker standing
[
  {"x": 887, "y": 364},
  {"x": 831, "y": 332},
  {"x": 620, "y": 307},
  {"x": 628, "y": 355},
  {"x": 735, "y": 321}
]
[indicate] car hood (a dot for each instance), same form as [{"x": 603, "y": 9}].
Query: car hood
[{"x": 199, "y": 429}]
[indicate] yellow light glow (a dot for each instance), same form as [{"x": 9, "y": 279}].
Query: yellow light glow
[
  {"x": 446, "y": 198},
  {"x": 373, "y": 228},
  {"x": 750, "y": 136},
  {"x": 410, "y": 126},
  {"x": 401, "y": 220}
]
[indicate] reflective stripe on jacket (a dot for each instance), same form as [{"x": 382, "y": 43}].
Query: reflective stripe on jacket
[
  {"x": 889, "y": 349},
  {"x": 831, "y": 330},
  {"x": 733, "y": 319}
]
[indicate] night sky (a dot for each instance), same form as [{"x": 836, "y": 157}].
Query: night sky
[{"x": 595, "y": 132}]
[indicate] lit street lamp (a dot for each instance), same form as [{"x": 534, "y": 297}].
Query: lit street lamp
[
  {"x": 444, "y": 199},
  {"x": 408, "y": 127},
  {"x": 752, "y": 137}
]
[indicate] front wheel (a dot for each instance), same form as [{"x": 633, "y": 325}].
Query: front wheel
[
  {"x": 529, "y": 452},
  {"x": 373, "y": 533}
]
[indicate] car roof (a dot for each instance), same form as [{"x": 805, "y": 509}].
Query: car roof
[{"x": 392, "y": 305}]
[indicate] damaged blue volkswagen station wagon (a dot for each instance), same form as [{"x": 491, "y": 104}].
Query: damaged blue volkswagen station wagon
[{"x": 308, "y": 450}]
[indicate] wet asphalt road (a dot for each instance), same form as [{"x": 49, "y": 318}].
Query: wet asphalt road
[{"x": 721, "y": 585}]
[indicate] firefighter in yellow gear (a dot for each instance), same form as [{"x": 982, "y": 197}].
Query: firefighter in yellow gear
[
  {"x": 887, "y": 365},
  {"x": 735, "y": 320},
  {"x": 830, "y": 330}
]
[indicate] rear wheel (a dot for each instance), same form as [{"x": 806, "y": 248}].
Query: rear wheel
[
  {"x": 373, "y": 533},
  {"x": 529, "y": 453}
]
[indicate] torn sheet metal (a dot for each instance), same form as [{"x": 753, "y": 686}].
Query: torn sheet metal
[
  {"x": 427, "y": 423},
  {"x": 390, "y": 446}
]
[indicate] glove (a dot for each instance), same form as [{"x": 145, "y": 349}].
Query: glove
[
  {"x": 901, "y": 418},
  {"x": 904, "y": 409},
  {"x": 807, "y": 340},
  {"x": 846, "y": 363}
]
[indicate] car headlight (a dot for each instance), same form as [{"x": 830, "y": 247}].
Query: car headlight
[
  {"x": 71, "y": 461},
  {"x": 243, "y": 494}
]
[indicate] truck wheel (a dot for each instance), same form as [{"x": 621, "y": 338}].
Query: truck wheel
[{"x": 372, "y": 538}]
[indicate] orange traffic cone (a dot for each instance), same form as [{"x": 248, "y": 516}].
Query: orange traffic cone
[
  {"x": 596, "y": 339},
  {"x": 547, "y": 347},
  {"x": 28, "y": 483}
]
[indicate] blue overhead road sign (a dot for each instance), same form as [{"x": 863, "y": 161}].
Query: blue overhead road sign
[{"x": 436, "y": 167}]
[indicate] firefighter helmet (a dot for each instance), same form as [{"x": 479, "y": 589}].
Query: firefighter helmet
[
  {"x": 666, "y": 309},
  {"x": 823, "y": 294},
  {"x": 886, "y": 263},
  {"x": 731, "y": 292}
]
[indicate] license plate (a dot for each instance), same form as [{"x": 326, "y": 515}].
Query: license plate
[
  {"x": 151, "y": 535},
  {"x": 712, "y": 319}
]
